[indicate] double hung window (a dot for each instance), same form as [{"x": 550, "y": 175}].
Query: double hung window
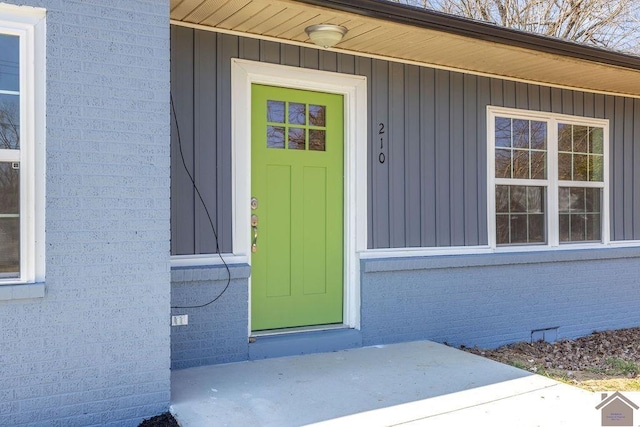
[
  {"x": 548, "y": 179},
  {"x": 21, "y": 144}
]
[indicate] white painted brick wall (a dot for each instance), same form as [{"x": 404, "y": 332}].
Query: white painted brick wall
[{"x": 95, "y": 350}]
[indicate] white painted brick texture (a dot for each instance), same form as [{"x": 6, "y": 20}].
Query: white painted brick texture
[{"x": 95, "y": 350}]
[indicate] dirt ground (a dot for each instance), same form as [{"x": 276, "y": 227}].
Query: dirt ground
[
  {"x": 602, "y": 361},
  {"x": 162, "y": 420}
]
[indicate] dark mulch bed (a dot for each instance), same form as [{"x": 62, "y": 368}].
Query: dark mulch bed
[{"x": 162, "y": 420}]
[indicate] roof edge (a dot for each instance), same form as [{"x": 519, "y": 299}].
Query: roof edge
[{"x": 418, "y": 17}]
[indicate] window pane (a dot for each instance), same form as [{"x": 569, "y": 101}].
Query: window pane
[
  {"x": 502, "y": 199},
  {"x": 535, "y": 200},
  {"x": 297, "y": 113},
  {"x": 536, "y": 228},
  {"x": 564, "y": 167},
  {"x": 577, "y": 228},
  {"x": 564, "y": 228},
  {"x": 577, "y": 199},
  {"x": 596, "y": 144},
  {"x": 521, "y": 164},
  {"x": 9, "y": 62},
  {"x": 502, "y": 229},
  {"x": 317, "y": 115},
  {"x": 296, "y": 138},
  {"x": 592, "y": 199},
  {"x": 9, "y": 220},
  {"x": 538, "y": 135},
  {"x": 580, "y": 137},
  {"x": 9, "y": 122},
  {"x": 580, "y": 166},
  {"x": 9, "y": 189},
  {"x": 538, "y": 165},
  {"x": 503, "y": 132},
  {"x": 564, "y": 199},
  {"x": 275, "y": 111},
  {"x": 564, "y": 137},
  {"x": 518, "y": 228},
  {"x": 584, "y": 221},
  {"x": 520, "y": 214},
  {"x": 503, "y": 163},
  {"x": 595, "y": 168},
  {"x": 520, "y": 133},
  {"x": 518, "y": 198},
  {"x": 275, "y": 137},
  {"x": 9, "y": 247},
  {"x": 593, "y": 227}
]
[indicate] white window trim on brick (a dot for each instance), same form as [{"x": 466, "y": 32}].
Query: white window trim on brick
[
  {"x": 28, "y": 23},
  {"x": 552, "y": 182}
]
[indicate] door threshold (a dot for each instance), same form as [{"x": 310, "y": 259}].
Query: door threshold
[{"x": 299, "y": 329}]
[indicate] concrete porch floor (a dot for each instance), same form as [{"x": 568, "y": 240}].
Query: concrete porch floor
[{"x": 417, "y": 384}]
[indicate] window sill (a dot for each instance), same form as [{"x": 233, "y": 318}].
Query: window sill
[
  {"x": 484, "y": 259},
  {"x": 25, "y": 291}
]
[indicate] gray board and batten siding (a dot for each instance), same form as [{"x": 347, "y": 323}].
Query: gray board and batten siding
[{"x": 431, "y": 189}]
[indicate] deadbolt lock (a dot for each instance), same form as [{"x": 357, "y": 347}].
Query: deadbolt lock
[{"x": 254, "y": 203}]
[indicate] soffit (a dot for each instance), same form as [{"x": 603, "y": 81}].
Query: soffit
[{"x": 287, "y": 19}]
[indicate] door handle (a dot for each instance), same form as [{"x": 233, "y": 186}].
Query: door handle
[{"x": 254, "y": 226}]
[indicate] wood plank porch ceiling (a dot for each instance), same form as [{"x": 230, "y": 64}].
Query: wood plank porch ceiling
[{"x": 287, "y": 19}]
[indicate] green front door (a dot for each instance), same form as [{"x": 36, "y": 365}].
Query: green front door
[{"x": 297, "y": 208}]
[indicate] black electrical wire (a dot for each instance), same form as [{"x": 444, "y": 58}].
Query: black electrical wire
[{"x": 204, "y": 205}]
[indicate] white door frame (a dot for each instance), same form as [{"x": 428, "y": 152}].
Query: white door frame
[{"x": 354, "y": 90}]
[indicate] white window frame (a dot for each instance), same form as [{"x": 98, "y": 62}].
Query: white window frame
[
  {"x": 552, "y": 183},
  {"x": 28, "y": 23}
]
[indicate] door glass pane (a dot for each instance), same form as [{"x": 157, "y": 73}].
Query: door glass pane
[
  {"x": 296, "y": 138},
  {"x": 317, "y": 115},
  {"x": 9, "y": 122},
  {"x": 275, "y": 137},
  {"x": 9, "y": 62},
  {"x": 297, "y": 113},
  {"x": 275, "y": 111},
  {"x": 9, "y": 220},
  {"x": 317, "y": 140}
]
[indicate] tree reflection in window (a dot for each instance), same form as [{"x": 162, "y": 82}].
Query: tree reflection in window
[
  {"x": 521, "y": 148},
  {"x": 580, "y": 153},
  {"x": 302, "y": 126}
]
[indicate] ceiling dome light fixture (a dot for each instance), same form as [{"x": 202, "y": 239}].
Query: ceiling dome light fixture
[{"x": 326, "y": 35}]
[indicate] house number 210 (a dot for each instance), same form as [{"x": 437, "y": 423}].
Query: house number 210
[{"x": 381, "y": 156}]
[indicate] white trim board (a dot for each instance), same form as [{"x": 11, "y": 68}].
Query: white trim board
[{"x": 354, "y": 90}]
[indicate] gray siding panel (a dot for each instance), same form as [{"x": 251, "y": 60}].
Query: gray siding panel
[
  {"x": 470, "y": 167},
  {"x": 456, "y": 159},
  {"x": 206, "y": 156},
  {"x": 443, "y": 214},
  {"x": 412, "y": 156},
  {"x": 427, "y": 158},
  {"x": 227, "y": 49},
  {"x": 431, "y": 190},
  {"x": 396, "y": 141},
  {"x": 380, "y": 171},
  {"x": 182, "y": 195}
]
